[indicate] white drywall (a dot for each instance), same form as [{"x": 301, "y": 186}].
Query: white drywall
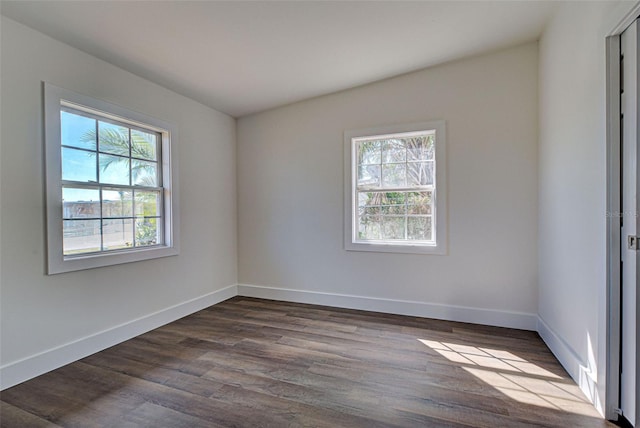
[
  {"x": 42, "y": 313},
  {"x": 572, "y": 188},
  {"x": 290, "y": 190}
]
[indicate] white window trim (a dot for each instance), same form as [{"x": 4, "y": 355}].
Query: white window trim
[
  {"x": 54, "y": 98},
  {"x": 440, "y": 204}
]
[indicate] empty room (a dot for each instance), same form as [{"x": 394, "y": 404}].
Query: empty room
[{"x": 319, "y": 213}]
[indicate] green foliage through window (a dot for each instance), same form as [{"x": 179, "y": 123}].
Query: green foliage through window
[{"x": 395, "y": 187}]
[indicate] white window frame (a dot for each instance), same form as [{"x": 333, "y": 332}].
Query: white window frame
[
  {"x": 439, "y": 214},
  {"x": 54, "y": 99}
]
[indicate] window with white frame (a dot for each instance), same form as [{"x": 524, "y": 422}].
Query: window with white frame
[
  {"x": 395, "y": 190},
  {"x": 110, "y": 194}
]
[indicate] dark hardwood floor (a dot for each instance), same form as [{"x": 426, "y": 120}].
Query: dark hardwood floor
[{"x": 258, "y": 363}]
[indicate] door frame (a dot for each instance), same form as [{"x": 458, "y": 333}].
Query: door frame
[
  {"x": 614, "y": 140},
  {"x": 613, "y": 212}
]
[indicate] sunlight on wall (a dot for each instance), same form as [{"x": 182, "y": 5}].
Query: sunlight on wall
[
  {"x": 588, "y": 377},
  {"x": 517, "y": 378}
]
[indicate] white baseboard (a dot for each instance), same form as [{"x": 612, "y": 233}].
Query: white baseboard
[
  {"x": 22, "y": 370},
  {"x": 519, "y": 320},
  {"x": 19, "y": 371},
  {"x": 561, "y": 349},
  {"x": 584, "y": 373}
]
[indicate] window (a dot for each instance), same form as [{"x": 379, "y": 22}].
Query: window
[
  {"x": 110, "y": 195},
  {"x": 395, "y": 189}
]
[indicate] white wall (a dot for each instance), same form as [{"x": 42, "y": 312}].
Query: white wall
[
  {"x": 290, "y": 195},
  {"x": 572, "y": 188},
  {"x": 517, "y": 210},
  {"x": 40, "y": 313}
]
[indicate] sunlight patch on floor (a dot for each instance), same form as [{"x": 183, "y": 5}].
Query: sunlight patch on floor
[
  {"x": 485, "y": 357},
  {"x": 515, "y": 377}
]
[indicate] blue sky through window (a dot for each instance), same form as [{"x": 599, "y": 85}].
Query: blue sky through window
[
  {"x": 73, "y": 127},
  {"x": 77, "y": 195},
  {"x": 78, "y": 165}
]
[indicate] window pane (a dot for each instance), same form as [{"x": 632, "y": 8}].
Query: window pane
[
  {"x": 419, "y": 202},
  {"x": 369, "y": 152},
  {"x": 393, "y": 227},
  {"x": 113, "y": 138},
  {"x": 393, "y": 198},
  {"x": 78, "y": 165},
  {"x": 144, "y": 173},
  {"x": 148, "y": 204},
  {"x": 117, "y": 234},
  {"x": 143, "y": 145},
  {"x": 369, "y": 202},
  {"x": 368, "y": 198},
  {"x": 80, "y": 203},
  {"x": 114, "y": 170},
  {"x": 369, "y": 175},
  {"x": 392, "y": 203},
  {"x": 394, "y": 175},
  {"x": 147, "y": 232},
  {"x": 394, "y": 151},
  {"x": 420, "y": 148},
  {"x": 368, "y": 210},
  {"x": 80, "y": 236},
  {"x": 393, "y": 209},
  {"x": 77, "y": 130},
  {"x": 117, "y": 203},
  {"x": 419, "y": 228},
  {"x": 420, "y": 173},
  {"x": 369, "y": 227}
]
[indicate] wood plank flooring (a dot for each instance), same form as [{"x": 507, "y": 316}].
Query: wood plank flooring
[{"x": 259, "y": 363}]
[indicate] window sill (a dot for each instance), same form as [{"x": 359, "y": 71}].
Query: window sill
[
  {"x": 440, "y": 249},
  {"x": 79, "y": 262}
]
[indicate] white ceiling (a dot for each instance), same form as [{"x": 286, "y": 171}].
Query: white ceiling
[{"x": 243, "y": 57}]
